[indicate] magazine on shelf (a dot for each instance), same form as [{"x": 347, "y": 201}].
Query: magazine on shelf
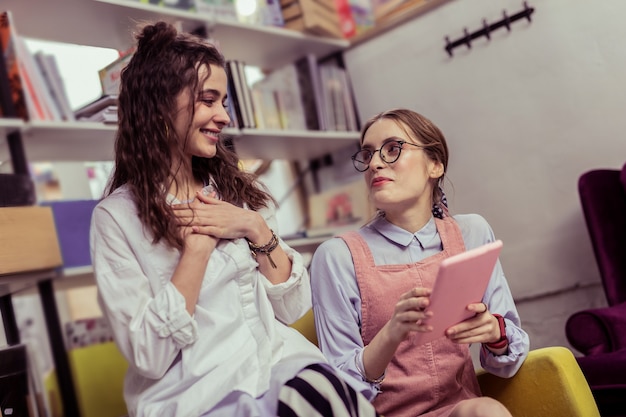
[{"x": 102, "y": 104}]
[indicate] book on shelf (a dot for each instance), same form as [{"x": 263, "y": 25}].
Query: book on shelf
[
  {"x": 230, "y": 108},
  {"x": 188, "y": 5},
  {"x": 318, "y": 17},
  {"x": 347, "y": 21},
  {"x": 242, "y": 98},
  {"x": 340, "y": 110},
  {"x": 388, "y": 9},
  {"x": 311, "y": 92},
  {"x": 96, "y": 109},
  {"x": 52, "y": 76},
  {"x": 247, "y": 97},
  {"x": 23, "y": 82},
  {"x": 14, "y": 80},
  {"x": 234, "y": 99},
  {"x": 223, "y": 10},
  {"x": 110, "y": 75},
  {"x": 363, "y": 14},
  {"x": 265, "y": 104},
  {"x": 284, "y": 81},
  {"x": 38, "y": 99},
  {"x": 273, "y": 14}
]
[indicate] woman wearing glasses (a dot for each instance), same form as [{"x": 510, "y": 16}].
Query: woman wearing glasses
[{"x": 371, "y": 287}]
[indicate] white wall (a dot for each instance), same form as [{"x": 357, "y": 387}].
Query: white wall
[{"x": 524, "y": 115}]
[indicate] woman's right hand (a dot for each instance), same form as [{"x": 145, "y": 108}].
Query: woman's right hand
[
  {"x": 409, "y": 314},
  {"x": 408, "y": 317}
]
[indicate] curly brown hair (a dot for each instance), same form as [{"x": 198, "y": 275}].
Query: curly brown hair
[
  {"x": 164, "y": 65},
  {"x": 426, "y": 133}
]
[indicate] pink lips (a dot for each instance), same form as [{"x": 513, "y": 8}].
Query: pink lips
[
  {"x": 378, "y": 181},
  {"x": 212, "y": 136}
]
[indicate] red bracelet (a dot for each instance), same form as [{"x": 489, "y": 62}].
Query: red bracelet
[{"x": 502, "y": 341}]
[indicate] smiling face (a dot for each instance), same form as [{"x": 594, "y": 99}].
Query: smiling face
[
  {"x": 210, "y": 114},
  {"x": 405, "y": 185}
]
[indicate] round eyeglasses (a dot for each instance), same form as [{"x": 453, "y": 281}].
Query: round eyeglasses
[{"x": 389, "y": 153}]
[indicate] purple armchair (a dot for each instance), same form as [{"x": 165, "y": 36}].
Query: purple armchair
[{"x": 600, "y": 334}]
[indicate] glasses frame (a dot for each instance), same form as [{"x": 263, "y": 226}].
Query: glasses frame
[{"x": 380, "y": 153}]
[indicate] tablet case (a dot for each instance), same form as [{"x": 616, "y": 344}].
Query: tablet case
[{"x": 462, "y": 279}]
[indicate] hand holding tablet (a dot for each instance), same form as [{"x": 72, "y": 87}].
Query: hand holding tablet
[{"x": 462, "y": 279}]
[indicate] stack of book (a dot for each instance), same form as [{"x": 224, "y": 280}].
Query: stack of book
[
  {"x": 303, "y": 95},
  {"x": 35, "y": 84},
  {"x": 104, "y": 109},
  {"x": 318, "y": 17}
]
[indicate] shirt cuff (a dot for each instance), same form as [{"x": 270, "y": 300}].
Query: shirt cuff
[{"x": 172, "y": 319}]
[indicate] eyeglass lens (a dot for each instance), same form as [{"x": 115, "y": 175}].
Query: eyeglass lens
[{"x": 389, "y": 153}]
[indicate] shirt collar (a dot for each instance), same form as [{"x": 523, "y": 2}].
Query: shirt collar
[{"x": 402, "y": 237}]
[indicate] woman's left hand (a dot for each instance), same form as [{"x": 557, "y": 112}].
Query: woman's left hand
[
  {"x": 481, "y": 328},
  {"x": 210, "y": 216}
]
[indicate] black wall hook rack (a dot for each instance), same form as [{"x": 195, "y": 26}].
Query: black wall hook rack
[{"x": 488, "y": 28}]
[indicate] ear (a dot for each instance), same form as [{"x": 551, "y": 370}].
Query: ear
[{"x": 436, "y": 170}]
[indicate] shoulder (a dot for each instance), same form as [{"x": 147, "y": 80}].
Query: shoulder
[
  {"x": 118, "y": 205},
  {"x": 331, "y": 248},
  {"x": 475, "y": 229},
  {"x": 119, "y": 198}
]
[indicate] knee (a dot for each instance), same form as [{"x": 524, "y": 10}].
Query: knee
[{"x": 480, "y": 407}]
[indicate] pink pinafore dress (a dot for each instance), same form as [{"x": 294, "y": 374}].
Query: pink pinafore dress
[{"x": 421, "y": 380}]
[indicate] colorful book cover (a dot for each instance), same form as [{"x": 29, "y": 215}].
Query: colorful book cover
[
  {"x": 362, "y": 14},
  {"x": 8, "y": 47},
  {"x": 346, "y": 19}
]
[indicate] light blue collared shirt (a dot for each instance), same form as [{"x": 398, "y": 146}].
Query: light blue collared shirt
[{"x": 337, "y": 301}]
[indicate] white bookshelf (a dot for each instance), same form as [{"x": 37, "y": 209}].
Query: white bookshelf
[
  {"x": 109, "y": 23},
  {"x": 89, "y": 141}
]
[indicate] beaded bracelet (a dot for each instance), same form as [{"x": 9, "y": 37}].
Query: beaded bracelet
[{"x": 265, "y": 249}]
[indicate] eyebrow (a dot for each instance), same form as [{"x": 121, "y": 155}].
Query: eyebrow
[
  {"x": 211, "y": 91},
  {"x": 386, "y": 140}
]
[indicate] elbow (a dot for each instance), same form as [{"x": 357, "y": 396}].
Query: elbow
[
  {"x": 155, "y": 366},
  {"x": 150, "y": 372}
]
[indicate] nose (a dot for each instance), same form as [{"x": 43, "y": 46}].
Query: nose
[
  {"x": 377, "y": 161},
  {"x": 223, "y": 117}
]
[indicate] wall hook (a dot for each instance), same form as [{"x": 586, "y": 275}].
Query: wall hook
[
  {"x": 468, "y": 38},
  {"x": 487, "y": 28},
  {"x": 506, "y": 20}
]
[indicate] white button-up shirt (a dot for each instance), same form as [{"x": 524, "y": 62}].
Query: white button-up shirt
[{"x": 182, "y": 365}]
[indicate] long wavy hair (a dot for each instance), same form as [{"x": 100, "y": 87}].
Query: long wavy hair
[
  {"x": 427, "y": 134},
  {"x": 165, "y": 65}
]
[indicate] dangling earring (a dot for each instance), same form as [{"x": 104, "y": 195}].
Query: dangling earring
[{"x": 167, "y": 131}]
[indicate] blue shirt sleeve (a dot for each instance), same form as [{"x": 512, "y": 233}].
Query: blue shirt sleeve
[{"x": 337, "y": 310}]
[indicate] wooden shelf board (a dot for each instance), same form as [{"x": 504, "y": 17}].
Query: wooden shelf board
[
  {"x": 111, "y": 23},
  {"x": 294, "y": 145},
  {"x": 63, "y": 141}
]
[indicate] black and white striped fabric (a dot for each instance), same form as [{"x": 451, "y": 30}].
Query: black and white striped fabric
[{"x": 317, "y": 391}]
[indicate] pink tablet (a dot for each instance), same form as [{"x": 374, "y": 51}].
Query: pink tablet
[{"x": 461, "y": 280}]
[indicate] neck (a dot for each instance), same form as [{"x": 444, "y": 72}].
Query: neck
[
  {"x": 410, "y": 219},
  {"x": 184, "y": 186}
]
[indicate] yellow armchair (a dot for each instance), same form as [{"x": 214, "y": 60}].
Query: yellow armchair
[{"x": 549, "y": 383}]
